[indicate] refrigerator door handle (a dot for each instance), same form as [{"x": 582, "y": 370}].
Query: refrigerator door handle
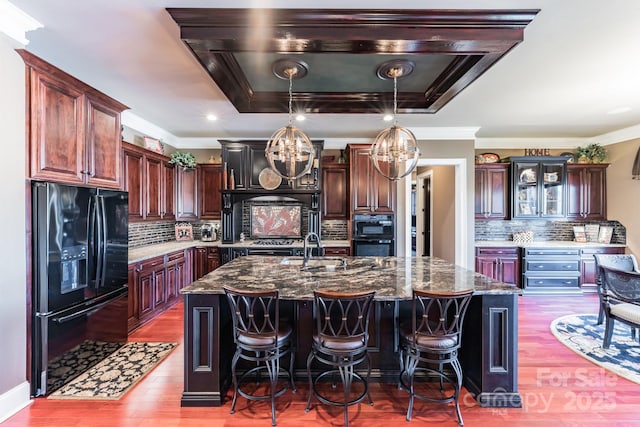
[
  {"x": 92, "y": 249},
  {"x": 98, "y": 241},
  {"x": 103, "y": 241}
]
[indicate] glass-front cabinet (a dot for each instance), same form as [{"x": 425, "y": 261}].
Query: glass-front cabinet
[{"x": 538, "y": 187}]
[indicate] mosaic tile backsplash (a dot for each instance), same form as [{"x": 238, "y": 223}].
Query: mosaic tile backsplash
[
  {"x": 543, "y": 230},
  {"x": 149, "y": 233}
]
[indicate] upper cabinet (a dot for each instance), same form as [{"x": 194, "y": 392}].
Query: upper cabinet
[
  {"x": 335, "y": 197},
  {"x": 187, "y": 194},
  {"x": 370, "y": 191},
  {"x": 587, "y": 191},
  {"x": 210, "y": 196},
  {"x": 491, "y": 191},
  {"x": 247, "y": 163},
  {"x": 73, "y": 129},
  {"x": 538, "y": 187},
  {"x": 150, "y": 180}
]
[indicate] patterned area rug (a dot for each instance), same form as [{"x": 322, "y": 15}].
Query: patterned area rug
[
  {"x": 580, "y": 333},
  {"x": 76, "y": 361},
  {"x": 118, "y": 372}
]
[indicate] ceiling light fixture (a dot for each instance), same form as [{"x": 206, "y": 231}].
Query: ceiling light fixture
[
  {"x": 289, "y": 150},
  {"x": 394, "y": 152},
  {"x": 212, "y": 117}
]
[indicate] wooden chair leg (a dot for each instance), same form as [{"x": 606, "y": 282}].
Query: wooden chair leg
[{"x": 608, "y": 332}]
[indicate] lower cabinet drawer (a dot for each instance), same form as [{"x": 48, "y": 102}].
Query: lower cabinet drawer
[
  {"x": 544, "y": 265},
  {"x": 551, "y": 283}
]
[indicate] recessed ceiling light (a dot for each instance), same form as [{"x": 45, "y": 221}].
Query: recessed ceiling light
[
  {"x": 387, "y": 117},
  {"x": 300, "y": 117},
  {"x": 212, "y": 117},
  {"x": 619, "y": 110}
]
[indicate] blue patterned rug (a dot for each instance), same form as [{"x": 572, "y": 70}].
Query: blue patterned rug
[{"x": 580, "y": 333}]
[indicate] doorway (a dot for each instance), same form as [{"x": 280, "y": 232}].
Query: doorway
[
  {"x": 422, "y": 218},
  {"x": 459, "y": 236}
]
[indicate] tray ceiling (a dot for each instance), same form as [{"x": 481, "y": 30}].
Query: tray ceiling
[{"x": 343, "y": 50}]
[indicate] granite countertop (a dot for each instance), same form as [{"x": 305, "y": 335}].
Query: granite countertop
[
  {"x": 142, "y": 253},
  {"x": 392, "y": 277},
  {"x": 545, "y": 244}
]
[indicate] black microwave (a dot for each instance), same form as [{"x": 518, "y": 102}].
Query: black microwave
[{"x": 373, "y": 226}]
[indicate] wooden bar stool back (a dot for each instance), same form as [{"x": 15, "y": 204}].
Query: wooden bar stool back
[
  {"x": 262, "y": 340},
  {"x": 339, "y": 345}
]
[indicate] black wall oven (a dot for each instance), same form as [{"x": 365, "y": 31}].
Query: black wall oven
[{"x": 373, "y": 235}]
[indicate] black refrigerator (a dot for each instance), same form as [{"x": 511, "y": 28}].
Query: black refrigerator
[{"x": 79, "y": 294}]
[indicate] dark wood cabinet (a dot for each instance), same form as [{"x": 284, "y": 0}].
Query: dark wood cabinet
[
  {"x": 337, "y": 251},
  {"x": 210, "y": 195},
  {"x": 149, "y": 179},
  {"x": 370, "y": 191},
  {"x": 588, "y": 264},
  {"x": 133, "y": 182},
  {"x": 73, "y": 129},
  {"x": 587, "y": 191},
  {"x": 499, "y": 263},
  {"x": 538, "y": 187},
  {"x": 247, "y": 160},
  {"x": 154, "y": 285},
  {"x": 491, "y": 191},
  {"x": 335, "y": 194},
  {"x": 206, "y": 259},
  {"x": 236, "y": 158},
  {"x": 103, "y": 143},
  {"x": 187, "y": 194}
]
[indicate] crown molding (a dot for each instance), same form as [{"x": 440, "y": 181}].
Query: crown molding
[{"x": 15, "y": 23}]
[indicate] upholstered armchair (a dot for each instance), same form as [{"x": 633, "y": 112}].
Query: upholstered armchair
[
  {"x": 625, "y": 262},
  {"x": 621, "y": 296}
]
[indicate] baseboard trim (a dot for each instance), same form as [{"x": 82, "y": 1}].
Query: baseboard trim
[{"x": 14, "y": 400}]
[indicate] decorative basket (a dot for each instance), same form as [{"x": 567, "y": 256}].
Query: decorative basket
[{"x": 522, "y": 237}]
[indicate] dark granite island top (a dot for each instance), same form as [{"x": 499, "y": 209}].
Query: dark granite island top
[
  {"x": 489, "y": 353},
  {"x": 392, "y": 278}
]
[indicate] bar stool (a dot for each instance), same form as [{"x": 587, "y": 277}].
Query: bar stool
[
  {"x": 259, "y": 338},
  {"x": 340, "y": 343},
  {"x": 431, "y": 342}
]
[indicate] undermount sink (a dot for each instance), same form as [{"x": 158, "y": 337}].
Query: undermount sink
[{"x": 326, "y": 263}]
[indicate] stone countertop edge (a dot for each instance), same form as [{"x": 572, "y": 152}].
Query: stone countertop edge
[
  {"x": 393, "y": 278},
  {"x": 142, "y": 253},
  {"x": 552, "y": 243},
  {"x": 294, "y": 244}
]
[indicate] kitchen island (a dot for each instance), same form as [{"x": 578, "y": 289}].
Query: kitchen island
[{"x": 490, "y": 335}]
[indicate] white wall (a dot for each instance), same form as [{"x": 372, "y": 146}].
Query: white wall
[
  {"x": 14, "y": 390},
  {"x": 623, "y": 192}
]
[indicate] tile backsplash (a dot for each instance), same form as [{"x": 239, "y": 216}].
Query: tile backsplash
[
  {"x": 543, "y": 230},
  {"x": 149, "y": 233}
]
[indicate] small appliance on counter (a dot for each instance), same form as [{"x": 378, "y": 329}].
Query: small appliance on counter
[{"x": 208, "y": 232}]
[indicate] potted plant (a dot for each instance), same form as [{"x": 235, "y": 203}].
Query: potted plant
[
  {"x": 591, "y": 153},
  {"x": 186, "y": 160}
]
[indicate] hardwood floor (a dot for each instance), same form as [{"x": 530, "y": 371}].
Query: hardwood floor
[{"x": 558, "y": 388}]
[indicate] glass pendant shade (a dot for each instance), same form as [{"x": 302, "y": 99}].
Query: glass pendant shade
[
  {"x": 394, "y": 152},
  {"x": 289, "y": 151}
]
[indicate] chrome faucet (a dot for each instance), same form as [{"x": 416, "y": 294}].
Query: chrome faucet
[{"x": 307, "y": 250}]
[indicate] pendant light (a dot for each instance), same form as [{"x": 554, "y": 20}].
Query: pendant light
[
  {"x": 289, "y": 151},
  {"x": 394, "y": 152}
]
